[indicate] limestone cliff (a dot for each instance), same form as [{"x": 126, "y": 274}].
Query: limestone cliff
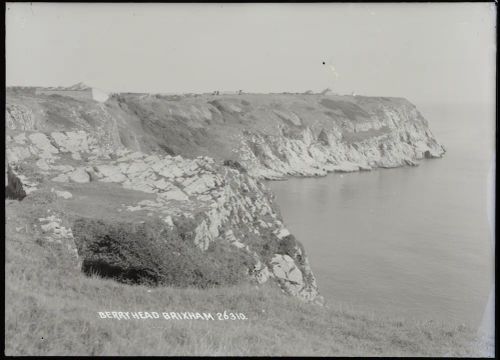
[
  {"x": 194, "y": 163},
  {"x": 272, "y": 135}
]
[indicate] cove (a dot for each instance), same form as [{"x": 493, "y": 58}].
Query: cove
[{"x": 412, "y": 242}]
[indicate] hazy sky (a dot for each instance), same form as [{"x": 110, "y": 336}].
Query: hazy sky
[{"x": 424, "y": 52}]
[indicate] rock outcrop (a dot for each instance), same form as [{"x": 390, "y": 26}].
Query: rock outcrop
[{"x": 215, "y": 223}]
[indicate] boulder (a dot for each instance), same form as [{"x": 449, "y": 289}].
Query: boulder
[
  {"x": 79, "y": 176},
  {"x": 284, "y": 268},
  {"x": 64, "y": 194},
  {"x": 111, "y": 173}
]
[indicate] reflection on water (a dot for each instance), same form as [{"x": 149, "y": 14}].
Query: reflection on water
[{"x": 411, "y": 242}]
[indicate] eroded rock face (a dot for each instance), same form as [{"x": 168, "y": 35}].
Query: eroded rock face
[
  {"x": 275, "y": 136},
  {"x": 394, "y": 136},
  {"x": 19, "y": 117}
]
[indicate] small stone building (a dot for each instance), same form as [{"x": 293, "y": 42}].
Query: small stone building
[{"x": 78, "y": 91}]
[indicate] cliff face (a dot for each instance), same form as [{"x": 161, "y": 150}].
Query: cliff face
[
  {"x": 272, "y": 136},
  {"x": 366, "y": 133},
  {"x": 181, "y": 175}
]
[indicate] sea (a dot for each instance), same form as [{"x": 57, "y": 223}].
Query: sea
[{"x": 412, "y": 242}]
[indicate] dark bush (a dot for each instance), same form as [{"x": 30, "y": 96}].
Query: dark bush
[
  {"x": 166, "y": 149},
  {"x": 268, "y": 245},
  {"x": 350, "y": 110},
  {"x": 235, "y": 165},
  {"x": 150, "y": 254},
  {"x": 287, "y": 246},
  {"x": 14, "y": 188}
]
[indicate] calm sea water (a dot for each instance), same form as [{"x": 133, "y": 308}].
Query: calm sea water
[{"x": 410, "y": 242}]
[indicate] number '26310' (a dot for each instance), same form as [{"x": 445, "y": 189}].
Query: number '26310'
[{"x": 231, "y": 316}]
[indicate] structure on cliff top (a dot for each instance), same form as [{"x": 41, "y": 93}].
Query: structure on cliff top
[{"x": 78, "y": 91}]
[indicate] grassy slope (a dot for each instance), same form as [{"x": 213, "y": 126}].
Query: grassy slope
[{"x": 51, "y": 309}]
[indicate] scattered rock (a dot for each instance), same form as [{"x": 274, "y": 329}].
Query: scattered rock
[
  {"x": 111, "y": 173},
  {"x": 64, "y": 194}
]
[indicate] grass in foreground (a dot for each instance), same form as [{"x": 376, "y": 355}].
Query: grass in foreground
[{"x": 52, "y": 309}]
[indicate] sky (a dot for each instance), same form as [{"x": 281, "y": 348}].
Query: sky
[{"x": 425, "y": 52}]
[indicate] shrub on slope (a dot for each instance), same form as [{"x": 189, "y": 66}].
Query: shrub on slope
[{"x": 150, "y": 253}]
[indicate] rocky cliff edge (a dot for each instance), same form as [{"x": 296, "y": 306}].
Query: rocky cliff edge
[{"x": 167, "y": 189}]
